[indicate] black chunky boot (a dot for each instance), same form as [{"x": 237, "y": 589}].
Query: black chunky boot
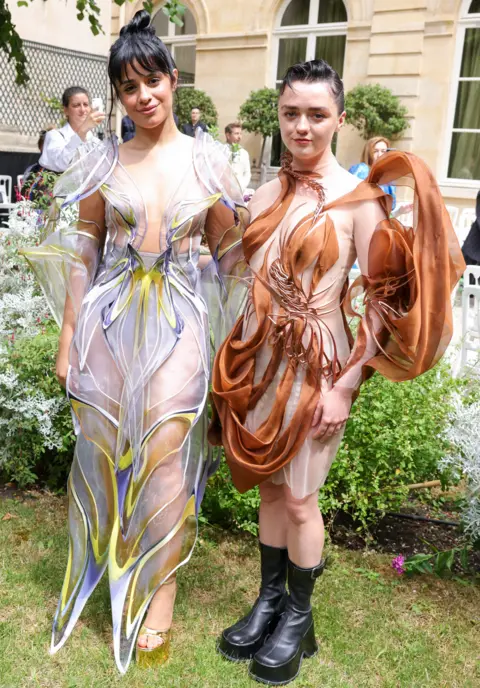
[
  {"x": 243, "y": 639},
  {"x": 279, "y": 660}
]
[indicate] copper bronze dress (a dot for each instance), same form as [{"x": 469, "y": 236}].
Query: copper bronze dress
[{"x": 293, "y": 342}]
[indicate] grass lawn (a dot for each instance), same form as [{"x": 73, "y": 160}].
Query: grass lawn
[{"x": 374, "y": 628}]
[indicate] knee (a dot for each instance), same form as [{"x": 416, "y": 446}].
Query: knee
[
  {"x": 301, "y": 511},
  {"x": 271, "y": 493}
]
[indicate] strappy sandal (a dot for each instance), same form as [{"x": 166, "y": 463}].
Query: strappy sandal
[{"x": 154, "y": 656}]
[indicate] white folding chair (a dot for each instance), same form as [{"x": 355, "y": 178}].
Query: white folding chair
[
  {"x": 6, "y": 188},
  {"x": 471, "y": 317},
  {"x": 465, "y": 221},
  {"x": 454, "y": 213}
]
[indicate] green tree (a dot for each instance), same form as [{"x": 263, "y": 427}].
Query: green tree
[
  {"x": 375, "y": 111},
  {"x": 12, "y": 44},
  {"x": 259, "y": 115},
  {"x": 187, "y": 98}
]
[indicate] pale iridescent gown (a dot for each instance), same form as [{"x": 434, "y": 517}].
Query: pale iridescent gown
[{"x": 139, "y": 373}]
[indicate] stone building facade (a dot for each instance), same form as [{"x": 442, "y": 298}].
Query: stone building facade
[{"x": 426, "y": 51}]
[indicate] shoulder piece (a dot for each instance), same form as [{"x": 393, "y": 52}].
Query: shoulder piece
[
  {"x": 92, "y": 165},
  {"x": 213, "y": 168}
]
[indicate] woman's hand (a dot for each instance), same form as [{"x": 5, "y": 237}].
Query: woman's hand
[
  {"x": 93, "y": 119},
  {"x": 331, "y": 413},
  {"x": 61, "y": 368},
  {"x": 63, "y": 355}
]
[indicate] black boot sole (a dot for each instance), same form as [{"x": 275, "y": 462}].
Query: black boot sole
[
  {"x": 288, "y": 672},
  {"x": 244, "y": 653}
]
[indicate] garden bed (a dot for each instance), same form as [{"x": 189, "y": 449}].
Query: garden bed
[{"x": 376, "y": 629}]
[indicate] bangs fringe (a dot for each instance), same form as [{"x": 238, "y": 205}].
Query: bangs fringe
[{"x": 149, "y": 54}]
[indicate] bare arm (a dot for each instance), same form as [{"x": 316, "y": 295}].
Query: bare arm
[
  {"x": 334, "y": 407},
  {"x": 91, "y": 225}
]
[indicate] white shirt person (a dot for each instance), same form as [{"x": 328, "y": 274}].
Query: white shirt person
[
  {"x": 60, "y": 144},
  {"x": 59, "y": 148},
  {"x": 239, "y": 157}
]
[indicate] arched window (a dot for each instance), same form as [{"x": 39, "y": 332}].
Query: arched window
[
  {"x": 181, "y": 41},
  {"x": 464, "y": 157},
  {"x": 307, "y": 30}
]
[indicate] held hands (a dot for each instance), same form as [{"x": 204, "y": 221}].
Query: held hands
[
  {"x": 331, "y": 413},
  {"x": 93, "y": 119}
]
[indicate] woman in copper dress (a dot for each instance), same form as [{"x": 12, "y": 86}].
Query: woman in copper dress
[{"x": 285, "y": 378}]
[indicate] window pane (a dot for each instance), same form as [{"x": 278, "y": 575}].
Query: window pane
[
  {"x": 467, "y": 112},
  {"x": 474, "y": 7},
  {"x": 189, "y": 27},
  {"x": 160, "y": 22},
  {"x": 471, "y": 53},
  {"x": 296, "y": 13},
  {"x": 291, "y": 51},
  {"x": 331, "y": 11},
  {"x": 465, "y": 156},
  {"x": 331, "y": 49},
  {"x": 185, "y": 61}
]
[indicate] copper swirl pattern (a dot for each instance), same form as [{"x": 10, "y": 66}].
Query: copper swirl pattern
[{"x": 406, "y": 311}]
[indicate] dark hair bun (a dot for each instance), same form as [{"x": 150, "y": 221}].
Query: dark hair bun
[{"x": 140, "y": 23}]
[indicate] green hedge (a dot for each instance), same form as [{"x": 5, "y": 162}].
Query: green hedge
[
  {"x": 395, "y": 436},
  {"x": 36, "y": 431}
]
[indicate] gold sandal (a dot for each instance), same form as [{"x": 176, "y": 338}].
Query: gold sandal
[{"x": 155, "y": 656}]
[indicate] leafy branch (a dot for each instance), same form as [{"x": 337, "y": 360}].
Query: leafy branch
[
  {"x": 375, "y": 111},
  {"x": 259, "y": 115},
  {"x": 12, "y": 45}
]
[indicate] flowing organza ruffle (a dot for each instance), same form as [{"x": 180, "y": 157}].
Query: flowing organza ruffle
[{"x": 285, "y": 351}]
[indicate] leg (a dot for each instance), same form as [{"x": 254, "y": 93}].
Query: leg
[
  {"x": 244, "y": 638},
  {"x": 272, "y": 515},
  {"x": 279, "y": 660},
  {"x": 160, "y": 614},
  {"x": 305, "y": 529},
  {"x": 169, "y": 476}
]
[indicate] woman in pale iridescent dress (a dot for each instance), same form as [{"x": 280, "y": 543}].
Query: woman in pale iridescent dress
[{"x": 137, "y": 316}]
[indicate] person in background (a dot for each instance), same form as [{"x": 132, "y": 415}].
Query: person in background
[
  {"x": 373, "y": 150},
  {"x": 190, "y": 129},
  {"x": 471, "y": 245},
  {"x": 128, "y": 129},
  {"x": 60, "y": 145},
  {"x": 239, "y": 157}
]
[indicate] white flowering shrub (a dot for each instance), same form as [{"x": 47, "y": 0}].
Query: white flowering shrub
[
  {"x": 23, "y": 309},
  {"x": 36, "y": 436},
  {"x": 463, "y": 458}
]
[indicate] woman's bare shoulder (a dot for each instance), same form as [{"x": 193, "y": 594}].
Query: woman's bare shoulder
[{"x": 264, "y": 197}]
